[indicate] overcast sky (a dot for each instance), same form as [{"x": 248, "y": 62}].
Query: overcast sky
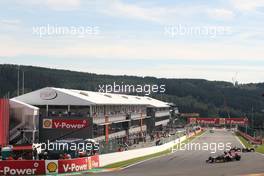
[{"x": 215, "y": 40}]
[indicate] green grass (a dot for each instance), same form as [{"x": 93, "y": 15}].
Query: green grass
[
  {"x": 246, "y": 143},
  {"x": 260, "y": 149},
  {"x": 159, "y": 154}
]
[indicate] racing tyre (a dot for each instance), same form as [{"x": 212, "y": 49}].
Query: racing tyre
[{"x": 238, "y": 158}]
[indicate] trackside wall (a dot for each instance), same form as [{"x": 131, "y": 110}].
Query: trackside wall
[
  {"x": 116, "y": 157},
  {"x": 111, "y": 158}
]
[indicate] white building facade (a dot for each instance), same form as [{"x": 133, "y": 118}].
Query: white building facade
[{"x": 66, "y": 113}]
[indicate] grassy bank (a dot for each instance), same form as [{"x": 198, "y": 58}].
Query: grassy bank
[
  {"x": 123, "y": 164},
  {"x": 246, "y": 143}
]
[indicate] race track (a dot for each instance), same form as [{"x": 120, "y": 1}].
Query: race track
[{"x": 192, "y": 162}]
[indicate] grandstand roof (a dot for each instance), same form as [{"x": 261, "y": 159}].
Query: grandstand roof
[{"x": 61, "y": 96}]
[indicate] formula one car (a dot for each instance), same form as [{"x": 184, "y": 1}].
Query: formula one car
[
  {"x": 226, "y": 157},
  {"x": 248, "y": 150},
  {"x": 235, "y": 149}
]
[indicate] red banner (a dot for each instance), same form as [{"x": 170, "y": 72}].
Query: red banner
[
  {"x": 22, "y": 167},
  {"x": 41, "y": 167},
  {"x": 73, "y": 165},
  {"x": 64, "y": 124},
  {"x": 206, "y": 120},
  {"x": 237, "y": 121},
  {"x": 219, "y": 121}
]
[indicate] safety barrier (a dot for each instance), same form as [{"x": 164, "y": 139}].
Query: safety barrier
[
  {"x": 250, "y": 138},
  {"x": 41, "y": 167},
  {"x": 111, "y": 158}
]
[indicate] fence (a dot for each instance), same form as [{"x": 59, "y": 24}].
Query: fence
[
  {"x": 250, "y": 135},
  {"x": 117, "y": 144},
  {"x": 111, "y": 158},
  {"x": 247, "y": 130},
  {"x": 112, "y": 145}
]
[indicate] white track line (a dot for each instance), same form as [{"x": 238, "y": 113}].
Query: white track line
[
  {"x": 260, "y": 153},
  {"x": 245, "y": 146},
  {"x": 122, "y": 168},
  {"x": 240, "y": 141}
]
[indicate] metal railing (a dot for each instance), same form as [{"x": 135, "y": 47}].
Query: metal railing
[
  {"x": 162, "y": 113},
  {"x": 111, "y": 118},
  {"x": 137, "y": 129},
  {"x": 138, "y": 115},
  {"x": 163, "y": 122}
]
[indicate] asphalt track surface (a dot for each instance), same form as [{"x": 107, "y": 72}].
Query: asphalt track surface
[{"x": 192, "y": 162}]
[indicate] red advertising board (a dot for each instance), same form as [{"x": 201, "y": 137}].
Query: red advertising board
[
  {"x": 64, "y": 124},
  {"x": 22, "y": 167},
  {"x": 41, "y": 167},
  {"x": 95, "y": 161},
  {"x": 219, "y": 121},
  {"x": 73, "y": 165},
  {"x": 237, "y": 121},
  {"x": 206, "y": 120}
]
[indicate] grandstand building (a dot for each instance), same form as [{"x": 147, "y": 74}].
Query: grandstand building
[{"x": 55, "y": 113}]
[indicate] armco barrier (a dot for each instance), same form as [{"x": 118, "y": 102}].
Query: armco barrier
[
  {"x": 250, "y": 138},
  {"x": 41, "y": 167},
  {"x": 111, "y": 158}
]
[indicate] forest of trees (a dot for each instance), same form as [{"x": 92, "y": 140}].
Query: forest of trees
[{"x": 209, "y": 98}]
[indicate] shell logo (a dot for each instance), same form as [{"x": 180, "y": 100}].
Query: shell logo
[
  {"x": 192, "y": 120},
  {"x": 47, "y": 123},
  {"x": 48, "y": 95},
  {"x": 89, "y": 163},
  {"x": 222, "y": 121},
  {"x": 52, "y": 167}
]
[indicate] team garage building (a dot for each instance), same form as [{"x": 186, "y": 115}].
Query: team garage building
[{"x": 55, "y": 113}]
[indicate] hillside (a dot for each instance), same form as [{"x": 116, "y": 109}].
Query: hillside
[{"x": 209, "y": 98}]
